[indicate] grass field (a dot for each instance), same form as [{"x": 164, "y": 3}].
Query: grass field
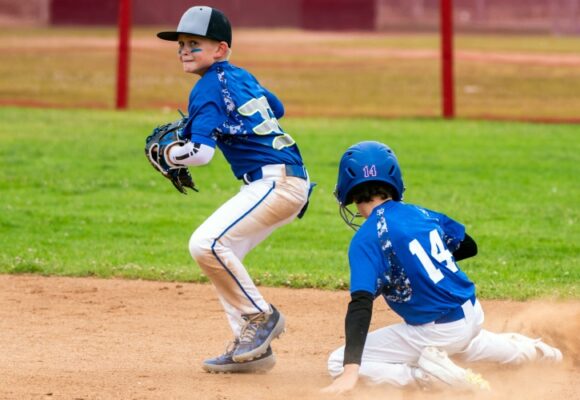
[
  {"x": 79, "y": 198},
  {"x": 317, "y": 74}
]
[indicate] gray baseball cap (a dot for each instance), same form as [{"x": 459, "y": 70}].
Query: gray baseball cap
[{"x": 202, "y": 21}]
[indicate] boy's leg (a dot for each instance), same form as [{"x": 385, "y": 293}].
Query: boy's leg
[
  {"x": 387, "y": 357},
  {"x": 391, "y": 354},
  {"x": 221, "y": 242},
  {"x": 508, "y": 348},
  {"x": 505, "y": 348}
]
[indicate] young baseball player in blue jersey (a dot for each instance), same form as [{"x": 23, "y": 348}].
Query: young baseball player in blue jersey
[
  {"x": 228, "y": 108},
  {"x": 408, "y": 255}
]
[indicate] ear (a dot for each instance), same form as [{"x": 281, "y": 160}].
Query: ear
[{"x": 221, "y": 50}]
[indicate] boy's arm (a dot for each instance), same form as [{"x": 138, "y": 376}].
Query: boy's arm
[
  {"x": 190, "y": 154},
  {"x": 455, "y": 236},
  {"x": 467, "y": 248},
  {"x": 275, "y": 104},
  {"x": 199, "y": 146},
  {"x": 357, "y": 322},
  {"x": 356, "y": 326}
]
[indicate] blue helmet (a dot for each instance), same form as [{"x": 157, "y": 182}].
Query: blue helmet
[{"x": 366, "y": 162}]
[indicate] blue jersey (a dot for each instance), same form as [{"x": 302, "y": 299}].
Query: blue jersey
[
  {"x": 230, "y": 108},
  {"x": 404, "y": 253}
]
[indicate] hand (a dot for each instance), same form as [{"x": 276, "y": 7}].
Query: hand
[
  {"x": 345, "y": 382},
  {"x": 157, "y": 144}
]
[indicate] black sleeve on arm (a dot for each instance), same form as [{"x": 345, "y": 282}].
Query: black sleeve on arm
[
  {"x": 357, "y": 322},
  {"x": 467, "y": 248}
]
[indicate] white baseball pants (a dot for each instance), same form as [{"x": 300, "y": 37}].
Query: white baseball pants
[
  {"x": 390, "y": 353},
  {"x": 220, "y": 244}
]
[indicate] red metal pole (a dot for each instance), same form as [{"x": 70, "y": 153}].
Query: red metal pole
[
  {"x": 124, "y": 23},
  {"x": 447, "y": 81}
]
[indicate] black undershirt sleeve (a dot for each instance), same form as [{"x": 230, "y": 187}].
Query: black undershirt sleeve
[
  {"x": 357, "y": 322},
  {"x": 467, "y": 248}
]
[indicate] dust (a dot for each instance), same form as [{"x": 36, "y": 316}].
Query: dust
[{"x": 553, "y": 322}]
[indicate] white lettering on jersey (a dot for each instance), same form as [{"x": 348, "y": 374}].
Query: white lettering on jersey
[
  {"x": 270, "y": 123},
  {"x": 283, "y": 141},
  {"x": 438, "y": 251}
]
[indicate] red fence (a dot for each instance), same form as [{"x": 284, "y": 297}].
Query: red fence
[
  {"x": 498, "y": 76},
  {"x": 555, "y": 16}
]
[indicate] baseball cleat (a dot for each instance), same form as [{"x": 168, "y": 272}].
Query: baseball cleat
[
  {"x": 436, "y": 363},
  {"x": 225, "y": 363},
  {"x": 535, "y": 349},
  {"x": 427, "y": 381},
  {"x": 549, "y": 353},
  {"x": 257, "y": 333}
]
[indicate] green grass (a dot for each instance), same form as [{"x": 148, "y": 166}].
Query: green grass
[{"x": 79, "y": 199}]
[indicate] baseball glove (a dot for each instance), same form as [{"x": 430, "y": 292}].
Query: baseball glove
[{"x": 156, "y": 150}]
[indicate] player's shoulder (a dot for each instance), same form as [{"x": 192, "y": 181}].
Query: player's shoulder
[
  {"x": 224, "y": 74},
  {"x": 367, "y": 233},
  {"x": 400, "y": 207},
  {"x": 428, "y": 213},
  {"x": 362, "y": 244},
  {"x": 397, "y": 216},
  {"x": 207, "y": 84},
  {"x": 415, "y": 215},
  {"x": 229, "y": 70},
  {"x": 207, "y": 89}
]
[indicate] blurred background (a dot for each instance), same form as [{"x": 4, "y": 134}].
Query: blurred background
[
  {"x": 514, "y": 59},
  {"x": 516, "y": 16}
]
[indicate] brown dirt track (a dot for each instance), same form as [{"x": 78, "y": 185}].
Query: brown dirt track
[{"x": 83, "y": 338}]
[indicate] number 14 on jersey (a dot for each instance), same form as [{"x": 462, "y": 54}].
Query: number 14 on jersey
[{"x": 438, "y": 251}]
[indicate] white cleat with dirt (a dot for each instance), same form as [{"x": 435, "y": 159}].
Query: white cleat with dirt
[{"x": 437, "y": 364}]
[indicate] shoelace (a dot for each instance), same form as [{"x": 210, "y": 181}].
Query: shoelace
[
  {"x": 251, "y": 327},
  {"x": 230, "y": 347}
]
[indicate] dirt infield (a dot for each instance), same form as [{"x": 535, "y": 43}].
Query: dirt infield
[{"x": 65, "y": 338}]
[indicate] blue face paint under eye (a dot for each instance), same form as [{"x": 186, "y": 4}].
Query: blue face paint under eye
[{"x": 196, "y": 50}]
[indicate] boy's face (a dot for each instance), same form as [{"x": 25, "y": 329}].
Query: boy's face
[{"x": 197, "y": 53}]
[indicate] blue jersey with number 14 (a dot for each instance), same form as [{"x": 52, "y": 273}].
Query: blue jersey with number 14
[
  {"x": 404, "y": 253},
  {"x": 230, "y": 108}
]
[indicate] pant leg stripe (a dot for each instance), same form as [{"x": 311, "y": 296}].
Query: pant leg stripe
[{"x": 225, "y": 231}]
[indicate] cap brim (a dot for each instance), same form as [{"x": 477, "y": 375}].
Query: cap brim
[{"x": 172, "y": 36}]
